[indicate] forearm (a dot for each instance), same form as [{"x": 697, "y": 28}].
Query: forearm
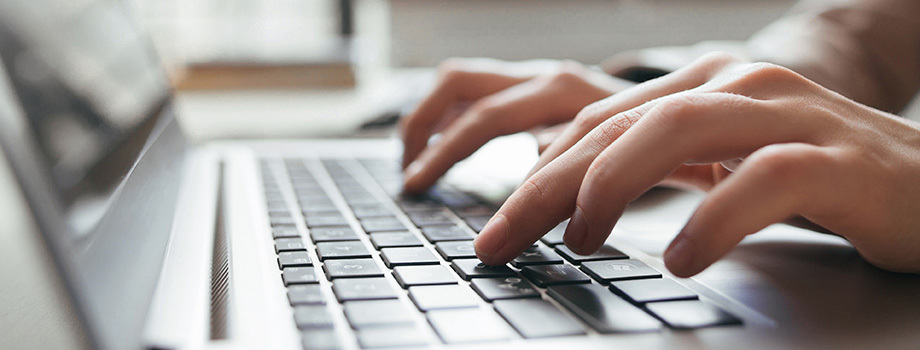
[{"x": 868, "y": 51}]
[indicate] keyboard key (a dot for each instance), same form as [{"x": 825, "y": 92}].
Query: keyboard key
[
  {"x": 503, "y": 288},
  {"x": 452, "y": 198},
  {"x": 446, "y": 233},
  {"x": 394, "y": 239},
  {"x": 548, "y": 275},
  {"x": 691, "y": 314},
  {"x": 312, "y": 189},
  {"x": 468, "y": 325},
  {"x": 328, "y": 211},
  {"x": 315, "y": 202},
  {"x": 367, "y": 313},
  {"x": 341, "y": 250},
  {"x": 442, "y": 297},
  {"x": 474, "y": 268},
  {"x": 285, "y": 232},
  {"x": 288, "y": 244},
  {"x": 330, "y": 234},
  {"x": 605, "y": 253},
  {"x": 294, "y": 259},
  {"x": 277, "y": 206},
  {"x": 382, "y": 224},
  {"x": 355, "y": 200},
  {"x": 477, "y": 223},
  {"x": 305, "y": 294},
  {"x": 350, "y": 191},
  {"x": 346, "y": 268},
  {"x": 372, "y": 211},
  {"x": 456, "y": 250},
  {"x": 411, "y": 205},
  {"x": 349, "y": 289},
  {"x": 326, "y": 220},
  {"x": 618, "y": 270},
  {"x": 391, "y": 337},
  {"x": 430, "y": 218},
  {"x": 313, "y": 196},
  {"x": 408, "y": 256},
  {"x": 476, "y": 210},
  {"x": 299, "y": 275},
  {"x": 554, "y": 236},
  {"x": 285, "y": 220},
  {"x": 408, "y": 276},
  {"x": 603, "y": 310},
  {"x": 319, "y": 340},
  {"x": 317, "y": 207},
  {"x": 537, "y": 318},
  {"x": 539, "y": 255},
  {"x": 312, "y": 317},
  {"x": 649, "y": 290}
]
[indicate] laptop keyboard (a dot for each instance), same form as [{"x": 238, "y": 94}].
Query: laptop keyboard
[{"x": 403, "y": 272}]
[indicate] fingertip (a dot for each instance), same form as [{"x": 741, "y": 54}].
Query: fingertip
[
  {"x": 680, "y": 257},
  {"x": 491, "y": 241},
  {"x": 575, "y": 232}
]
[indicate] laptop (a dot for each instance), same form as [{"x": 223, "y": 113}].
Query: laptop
[{"x": 163, "y": 244}]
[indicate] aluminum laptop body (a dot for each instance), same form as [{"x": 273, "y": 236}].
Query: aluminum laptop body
[{"x": 164, "y": 244}]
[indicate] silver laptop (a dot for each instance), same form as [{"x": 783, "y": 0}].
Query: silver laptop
[{"x": 309, "y": 244}]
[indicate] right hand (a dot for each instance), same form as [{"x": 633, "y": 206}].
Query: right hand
[{"x": 476, "y": 100}]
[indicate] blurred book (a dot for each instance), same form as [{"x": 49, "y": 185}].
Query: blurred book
[
  {"x": 252, "y": 44},
  {"x": 329, "y": 67}
]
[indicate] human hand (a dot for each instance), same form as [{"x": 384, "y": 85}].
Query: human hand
[
  {"x": 768, "y": 143},
  {"x": 476, "y": 100}
]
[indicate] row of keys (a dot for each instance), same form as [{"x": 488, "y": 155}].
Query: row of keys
[{"x": 434, "y": 289}]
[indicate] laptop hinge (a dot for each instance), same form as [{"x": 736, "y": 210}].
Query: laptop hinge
[{"x": 220, "y": 268}]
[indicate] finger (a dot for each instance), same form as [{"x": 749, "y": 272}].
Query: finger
[
  {"x": 684, "y": 128},
  {"x": 459, "y": 81},
  {"x": 545, "y": 136},
  {"x": 518, "y": 108},
  {"x": 696, "y": 177},
  {"x": 694, "y": 75},
  {"x": 546, "y": 198},
  {"x": 773, "y": 184}
]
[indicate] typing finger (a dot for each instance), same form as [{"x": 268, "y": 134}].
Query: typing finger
[
  {"x": 690, "y": 127},
  {"x": 694, "y": 75},
  {"x": 773, "y": 184},
  {"x": 459, "y": 81},
  {"x": 547, "y": 197},
  {"x": 517, "y": 108}
]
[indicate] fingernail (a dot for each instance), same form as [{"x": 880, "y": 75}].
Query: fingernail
[
  {"x": 576, "y": 231},
  {"x": 412, "y": 172},
  {"x": 679, "y": 255},
  {"x": 492, "y": 238}
]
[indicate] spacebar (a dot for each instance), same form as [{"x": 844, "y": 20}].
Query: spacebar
[{"x": 603, "y": 310}]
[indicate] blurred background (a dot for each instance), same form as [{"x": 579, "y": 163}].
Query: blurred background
[
  {"x": 413, "y": 33},
  {"x": 331, "y": 65}
]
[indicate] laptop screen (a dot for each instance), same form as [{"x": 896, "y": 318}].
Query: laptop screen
[
  {"x": 86, "y": 125},
  {"x": 90, "y": 86}
]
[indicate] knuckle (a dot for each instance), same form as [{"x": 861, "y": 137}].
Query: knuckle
[
  {"x": 675, "y": 111},
  {"x": 451, "y": 69},
  {"x": 787, "y": 167},
  {"x": 408, "y": 124},
  {"x": 717, "y": 59},
  {"x": 759, "y": 74},
  {"x": 567, "y": 73},
  {"x": 589, "y": 117},
  {"x": 485, "y": 112},
  {"x": 610, "y": 129},
  {"x": 533, "y": 188}
]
